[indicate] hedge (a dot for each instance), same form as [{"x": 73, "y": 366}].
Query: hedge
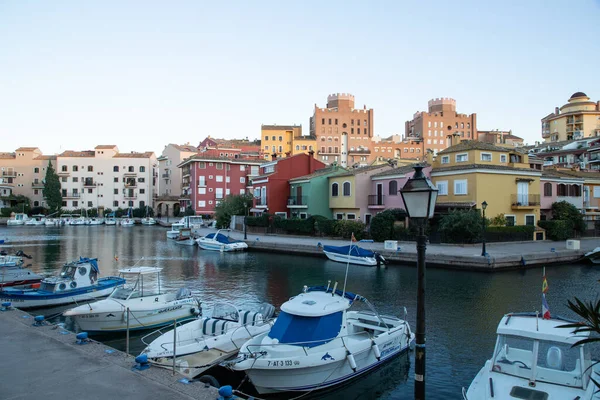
[{"x": 557, "y": 229}]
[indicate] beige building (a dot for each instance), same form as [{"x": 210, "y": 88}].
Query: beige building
[
  {"x": 343, "y": 133},
  {"x": 578, "y": 119},
  {"x": 500, "y": 137},
  {"x": 169, "y": 175},
  {"x": 24, "y": 171},
  {"x": 430, "y": 130}
]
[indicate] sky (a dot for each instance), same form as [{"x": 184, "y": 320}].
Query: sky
[{"x": 142, "y": 74}]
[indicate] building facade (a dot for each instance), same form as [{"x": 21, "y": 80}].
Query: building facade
[
  {"x": 557, "y": 186},
  {"x": 105, "y": 178},
  {"x": 434, "y": 126},
  {"x": 343, "y": 133},
  {"x": 307, "y": 193},
  {"x": 500, "y": 137},
  {"x": 278, "y": 139},
  {"x": 578, "y": 119}
]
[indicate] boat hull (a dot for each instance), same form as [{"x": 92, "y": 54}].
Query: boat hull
[
  {"x": 217, "y": 246},
  {"x": 594, "y": 255},
  {"x": 344, "y": 258},
  {"x": 185, "y": 242}
]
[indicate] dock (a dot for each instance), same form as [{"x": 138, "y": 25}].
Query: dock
[{"x": 45, "y": 362}]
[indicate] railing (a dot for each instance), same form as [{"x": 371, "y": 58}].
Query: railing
[
  {"x": 131, "y": 184},
  {"x": 63, "y": 173},
  {"x": 89, "y": 183},
  {"x": 359, "y": 151},
  {"x": 9, "y": 174},
  {"x": 130, "y": 196},
  {"x": 71, "y": 195},
  {"x": 129, "y": 173},
  {"x": 37, "y": 184},
  {"x": 525, "y": 200},
  {"x": 297, "y": 200},
  {"x": 166, "y": 176},
  {"x": 376, "y": 200}
]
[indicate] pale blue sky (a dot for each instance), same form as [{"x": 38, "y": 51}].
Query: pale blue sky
[{"x": 141, "y": 74}]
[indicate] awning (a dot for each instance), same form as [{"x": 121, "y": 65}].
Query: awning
[
  {"x": 257, "y": 210},
  {"x": 458, "y": 204}
]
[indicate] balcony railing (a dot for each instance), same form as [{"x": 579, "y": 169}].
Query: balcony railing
[
  {"x": 9, "y": 174},
  {"x": 520, "y": 201},
  {"x": 376, "y": 200},
  {"x": 359, "y": 151},
  {"x": 260, "y": 202},
  {"x": 37, "y": 184},
  {"x": 131, "y": 184},
  {"x": 89, "y": 183},
  {"x": 297, "y": 200},
  {"x": 130, "y": 196},
  {"x": 166, "y": 176},
  {"x": 129, "y": 173},
  {"x": 71, "y": 195}
]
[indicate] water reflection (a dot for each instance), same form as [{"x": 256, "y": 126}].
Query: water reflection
[{"x": 463, "y": 308}]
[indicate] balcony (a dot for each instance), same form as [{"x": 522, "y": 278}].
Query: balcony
[
  {"x": 130, "y": 173},
  {"x": 89, "y": 183},
  {"x": 131, "y": 183},
  {"x": 71, "y": 195},
  {"x": 525, "y": 201},
  {"x": 359, "y": 151},
  {"x": 376, "y": 201},
  {"x": 260, "y": 202},
  {"x": 129, "y": 196},
  {"x": 9, "y": 174},
  {"x": 166, "y": 176},
  {"x": 297, "y": 201},
  {"x": 37, "y": 185}
]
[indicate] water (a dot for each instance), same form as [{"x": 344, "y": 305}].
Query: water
[{"x": 463, "y": 308}]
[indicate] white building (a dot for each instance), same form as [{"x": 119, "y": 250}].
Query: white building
[{"x": 104, "y": 178}]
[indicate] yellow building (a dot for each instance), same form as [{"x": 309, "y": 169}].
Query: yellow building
[
  {"x": 303, "y": 144},
  {"x": 278, "y": 139},
  {"x": 578, "y": 119},
  {"x": 471, "y": 172}
]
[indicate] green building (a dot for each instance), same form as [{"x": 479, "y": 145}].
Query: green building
[{"x": 309, "y": 194}]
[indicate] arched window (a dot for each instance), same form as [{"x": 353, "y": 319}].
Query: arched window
[
  {"x": 322, "y": 138},
  {"x": 547, "y": 189},
  {"x": 335, "y": 139},
  {"x": 393, "y": 188},
  {"x": 346, "y": 188},
  {"x": 297, "y": 147},
  {"x": 329, "y": 149},
  {"x": 344, "y": 125},
  {"x": 574, "y": 191},
  {"x": 561, "y": 190},
  {"x": 329, "y": 139},
  {"x": 334, "y": 189}
]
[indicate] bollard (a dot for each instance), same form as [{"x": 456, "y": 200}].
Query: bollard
[
  {"x": 226, "y": 393},
  {"x": 6, "y": 306},
  {"x": 82, "y": 338},
  {"x": 141, "y": 362},
  {"x": 38, "y": 320}
]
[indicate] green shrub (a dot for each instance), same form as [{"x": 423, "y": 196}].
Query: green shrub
[
  {"x": 461, "y": 226},
  {"x": 262, "y": 221},
  {"x": 324, "y": 226},
  {"x": 512, "y": 229},
  {"x": 295, "y": 225},
  {"x": 382, "y": 225},
  {"x": 557, "y": 229},
  {"x": 566, "y": 211},
  {"x": 345, "y": 229}
]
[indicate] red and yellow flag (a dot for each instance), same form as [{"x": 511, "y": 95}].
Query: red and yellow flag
[
  {"x": 353, "y": 238},
  {"x": 544, "y": 285}
]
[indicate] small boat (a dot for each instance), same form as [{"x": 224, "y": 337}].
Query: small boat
[
  {"x": 316, "y": 343},
  {"x": 208, "y": 341},
  {"x": 127, "y": 222},
  {"x": 174, "y": 231},
  {"x": 354, "y": 255},
  {"x": 65, "y": 219},
  {"x": 218, "y": 242},
  {"x": 147, "y": 220},
  {"x": 18, "y": 219},
  {"x": 12, "y": 272},
  {"x": 185, "y": 237},
  {"x": 148, "y": 307},
  {"x": 95, "y": 221},
  {"x": 593, "y": 256},
  {"x": 535, "y": 359},
  {"x": 110, "y": 219},
  {"x": 52, "y": 222},
  {"x": 36, "y": 220},
  {"x": 78, "y": 220},
  {"x": 77, "y": 281}
]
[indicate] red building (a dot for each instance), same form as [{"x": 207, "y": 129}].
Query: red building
[
  {"x": 271, "y": 188},
  {"x": 208, "y": 178}
]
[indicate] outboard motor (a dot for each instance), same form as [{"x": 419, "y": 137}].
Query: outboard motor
[
  {"x": 266, "y": 310},
  {"x": 380, "y": 260}
]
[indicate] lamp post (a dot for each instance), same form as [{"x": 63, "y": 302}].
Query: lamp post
[
  {"x": 483, "y": 207},
  {"x": 419, "y": 196},
  {"x": 245, "y": 214}
]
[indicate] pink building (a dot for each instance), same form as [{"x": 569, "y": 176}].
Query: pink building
[
  {"x": 385, "y": 186},
  {"x": 207, "y": 179},
  {"x": 557, "y": 186}
]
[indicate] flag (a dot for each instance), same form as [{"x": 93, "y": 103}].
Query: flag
[
  {"x": 545, "y": 308},
  {"x": 544, "y": 285},
  {"x": 116, "y": 257},
  {"x": 353, "y": 239}
]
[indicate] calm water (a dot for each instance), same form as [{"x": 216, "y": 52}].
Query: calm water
[{"x": 463, "y": 308}]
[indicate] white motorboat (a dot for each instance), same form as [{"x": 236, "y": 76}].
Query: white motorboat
[
  {"x": 317, "y": 343},
  {"x": 127, "y": 222},
  {"x": 65, "y": 219},
  {"x": 77, "y": 281},
  {"x": 18, "y": 219},
  {"x": 12, "y": 272},
  {"x": 80, "y": 220},
  {"x": 218, "y": 242},
  {"x": 95, "y": 221},
  {"x": 593, "y": 256},
  {"x": 52, "y": 222},
  {"x": 148, "y": 221},
  {"x": 173, "y": 233},
  {"x": 148, "y": 307},
  {"x": 110, "y": 219},
  {"x": 535, "y": 359},
  {"x": 36, "y": 220},
  {"x": 208, "y": 341},
  {"x": 185, "y": 237},
  {"x": 354, "y": 255}
]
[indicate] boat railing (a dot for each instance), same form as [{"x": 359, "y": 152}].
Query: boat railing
[
  {"x": 160, "y": 331},
  {"x": 269, "y": 321}
]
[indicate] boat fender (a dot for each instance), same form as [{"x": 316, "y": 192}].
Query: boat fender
[
  {"x": 351, "y": 360},
  {"x": 210, "y": 380},
  {"x": 195, "y": 312},
  {"x": 73, "y": 284},
  {"x": 376, "y": 350}
]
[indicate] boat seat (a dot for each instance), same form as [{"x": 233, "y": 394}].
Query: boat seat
[
  {"x": 369, "y": 326},
  {"x": 215, "y": 327},
  {"x": 250, "y": 317}
]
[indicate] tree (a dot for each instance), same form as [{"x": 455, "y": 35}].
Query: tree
[
  {"x": 566, "y": 211},
  {"x": 382, "y": 225},
  {"x": 51, "y": 191},
  {"x": 463, "y": 226},
  {"x": 232, "y": 205}
]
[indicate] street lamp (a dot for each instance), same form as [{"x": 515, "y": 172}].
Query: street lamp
[
  {"x": 419, "y": 196},
  {"x": 245, "y": 214},
  {"x": 483, "y": 207}
]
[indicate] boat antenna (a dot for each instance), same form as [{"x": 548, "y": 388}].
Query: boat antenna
[
  {"x": 537, "y": 315},
  {"x": 352, "y": 239}
]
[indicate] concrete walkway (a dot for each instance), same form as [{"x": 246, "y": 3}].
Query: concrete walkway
[{"x": 45, "y": 363}]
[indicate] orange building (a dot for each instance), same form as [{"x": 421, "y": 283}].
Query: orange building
[
  {"x": 441, "y": 120},
  {"x": 343, "y": 132}
]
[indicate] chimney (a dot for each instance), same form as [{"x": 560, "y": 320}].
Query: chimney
[
  {"x": 429, "y": 157},
  {"x": 556, "y": 111},
  {"x": 273, "y": 156},
  {"x": 311, "y": 161},
  {"x": 288, "y": 153}
]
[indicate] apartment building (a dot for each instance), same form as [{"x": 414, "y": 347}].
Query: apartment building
[
  {"x": 578, "y": 119},
  {"x": 169, "y": 173},
  {"x": 105, "y": 178},
  {"x": 500, "y": 137}
]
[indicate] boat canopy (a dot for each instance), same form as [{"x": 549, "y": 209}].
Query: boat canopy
[
  {"x": 92, "y": 261},
  {"x": 306, "y": 331},
  {"x": 140, "y": 270},
  {"x": 530, "y": 326},
  {"x": 353, "y": 250},
  {"x": 221, "y": 238}
]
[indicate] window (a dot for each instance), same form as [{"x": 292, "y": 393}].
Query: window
[
  {"x": 339, "y": 216},
  {"x": 503, "y": 158},
  {"x": 266, "y": 138},
  {"x": 486, "y": 157},
  {"x": 322, "y": 121},
  {"x": 267, "y": 147},
  {"x": 115, "y": 203},
  {"x": 131, "y": 169},
  {"x": 219, "y": 178},
  {"x": 547, "y": 189},
  {"x": 90, "y": 168},
  {"x": 63, "y": 168},
  {"x": 442, "y": 187},
  {"x": 281, "y": 138},
  {"x": 142, "y": 169},
  {"x": 62, "y": 179},
  {"x": 561, "y": 190},
  {"x": 297, "y": 147},
  {"x": 142, "y": 191},
  {"x": 462, "y": 157},
  {"x": 90, "y": 204},
  {"x": 393, "y": 188},
  {"x": 358, "y": 131},
  {"x": 273, "y": 138},
  {"x": 530, "y": 220},
  {"x": 75, "y": 168},
  {"x": 346, "y": 188},
  {"x": 351, "y": 216},
  {"x": 445, "y": 159},
  {"x": 201, "y": 203},
  {"x": 89, "y": 190},
  {"x": 428, "y": 141},
  {"x": 336, "y": 121},
  {"x": 219, "y": 165},
  {"x": 36, "y": 203},
  {"x": 510, "y": 220},
  {"x": 116, "y": 191},
  {"x": 329, "y": 121},
  {"x": 75, "y": 179},
  {"x": 596, "y": 191},
  {"x": 75, "y": 203},
  {"x": 334, "y": 189},
  {"x": 64, "y": 203},
  {"x": 460, "y": 187},
  {"x": 130, "y": 203},
  {"x": 202, "y": 165},
  {"x": 202, "y": 190},
  {"x": 242, "y": 191},
  {"x": 36, "y": 170},
  {"x": 219, "y": 193},
  {"x": 116, "y": 168},
  {"x": 242, "y": 179},
  {"x": 36, "y": 191}
]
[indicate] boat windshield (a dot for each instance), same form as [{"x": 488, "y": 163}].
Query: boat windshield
[
  {"x": 68, "y": 271},
  {"x": 555, "y": 363},
  {"x": 306, "y": 331},
  {"x": 125, "y": 293},
  {"x": 225, "y": 311}
]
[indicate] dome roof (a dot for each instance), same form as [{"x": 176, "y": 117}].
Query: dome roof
[{"x": 578, "y": 94}]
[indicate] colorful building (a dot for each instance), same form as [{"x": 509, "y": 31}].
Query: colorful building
[
  {"x": 558, "y": 186},
  {"x": 304, "y": 144},
  {"x": 350, "y": 191},
  {"x": 471, "y": 172},
  {"x": 307, "y": 193},
  {"x": 278, "y": 139},
  {"x": 272, "y": 188},
  {"x": 591, "y": 194},
  {"x": 578, "y": 119}
]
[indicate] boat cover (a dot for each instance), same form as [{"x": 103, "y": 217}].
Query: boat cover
[
  {"x": 222, "y": 238},
  {"x": 92, "y": 261},
  {"x": 306, "y": 331},
  {"x": 344, "y": 250}
]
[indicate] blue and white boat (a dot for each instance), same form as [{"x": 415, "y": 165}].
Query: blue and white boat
[
  {"x": 316, "y": 343},
  {"x": 354, "y": 255},
  {"x": 219, "y": 242},
  {"x": 77, "y": 281},
  {"x": 12, "y": 272}
]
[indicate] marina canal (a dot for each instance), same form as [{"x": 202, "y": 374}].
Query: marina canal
[{"x": 463, "y": 308}]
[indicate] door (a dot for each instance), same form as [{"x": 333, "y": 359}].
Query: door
[
  {"x": 523, "y": 193},
  {"x": 299, "y": 196},
  {"x": 379, "y": 194}
]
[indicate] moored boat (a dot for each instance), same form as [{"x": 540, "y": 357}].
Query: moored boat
[
  {"x": 593, "y": 256},
  {"x": 535, "y": 358},
  {"x": 36, "y": 220},
  {"x": 127, "y": 222},
  {"x": 18, "y": 219},
  {"x": 219, "y": 242},
  {"x": 95, "y": 221},
  {"x": 174, "y": 231},
  {"x": 77, "y": 281},
  {"x": 149, "y": 307},
  {"x": 354, "y": 255},
  {"x": 110, "y": 219},
  {"x": 13, "y": 273},
  {"x": 185, "y": 237},
  {"x": 316, "y": 343}
]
